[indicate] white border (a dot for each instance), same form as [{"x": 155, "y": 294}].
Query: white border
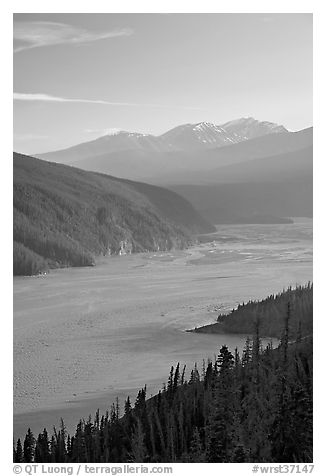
[{"x": 167, "y": 6}]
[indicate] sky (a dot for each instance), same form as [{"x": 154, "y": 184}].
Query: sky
[{"x": 80, "y": 76}]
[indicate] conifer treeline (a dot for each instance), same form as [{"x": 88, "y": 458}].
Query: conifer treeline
[
  {"x": 270, "y": 313},
  {"x": 256, "y": 407}
]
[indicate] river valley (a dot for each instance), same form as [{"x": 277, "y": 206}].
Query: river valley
[{"x": 83, "y": 336}]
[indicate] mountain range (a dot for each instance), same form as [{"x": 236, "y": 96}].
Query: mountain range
[
  {"x": 184, "y": 138},
  {"x": 241, "y": 171},
  {"x": 178, "y": 155}
]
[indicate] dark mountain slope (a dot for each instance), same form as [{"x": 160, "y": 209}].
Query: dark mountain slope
[
  {"x": 173, "y": 206},
  {"x": 63, "y": 216}
]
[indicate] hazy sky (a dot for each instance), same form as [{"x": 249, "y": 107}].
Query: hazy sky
[{"x": 78, "y": 75}]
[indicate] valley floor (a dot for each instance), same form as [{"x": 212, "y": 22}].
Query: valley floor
[{"x": 83, "y": 336}]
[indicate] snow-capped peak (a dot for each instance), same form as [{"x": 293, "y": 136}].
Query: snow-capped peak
[
  {"x": 209, "y": 135},
  {"x": 189, "y": 137},
  {"x": 113, "y": 131}
]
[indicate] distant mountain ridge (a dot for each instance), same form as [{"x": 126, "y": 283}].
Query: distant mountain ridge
[
  {"x": 64, "y": 216},
  {"x": 207, "y": 167},
  {"x": 186, "y": 137},
  {"x": 239, "y": 172},
  {"x": 206, "y": 135}
]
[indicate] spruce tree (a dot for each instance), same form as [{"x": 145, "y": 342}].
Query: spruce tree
[
  {"x": 221, "y": 420},
  {"x": 29, "y": 447},
  {"x": 138, "y": 448},
  {"x": 19, "y": 452},
  {"x": 197, "y": 454}
]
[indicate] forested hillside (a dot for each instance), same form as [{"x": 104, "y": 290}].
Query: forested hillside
[
  {"x": 64, "y": 216},
  {"x": 254, "y": 407},
  {"x": 270, "y": 315}
]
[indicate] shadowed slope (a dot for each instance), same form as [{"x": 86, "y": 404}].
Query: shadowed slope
[{"x": 64, "y": 216}]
